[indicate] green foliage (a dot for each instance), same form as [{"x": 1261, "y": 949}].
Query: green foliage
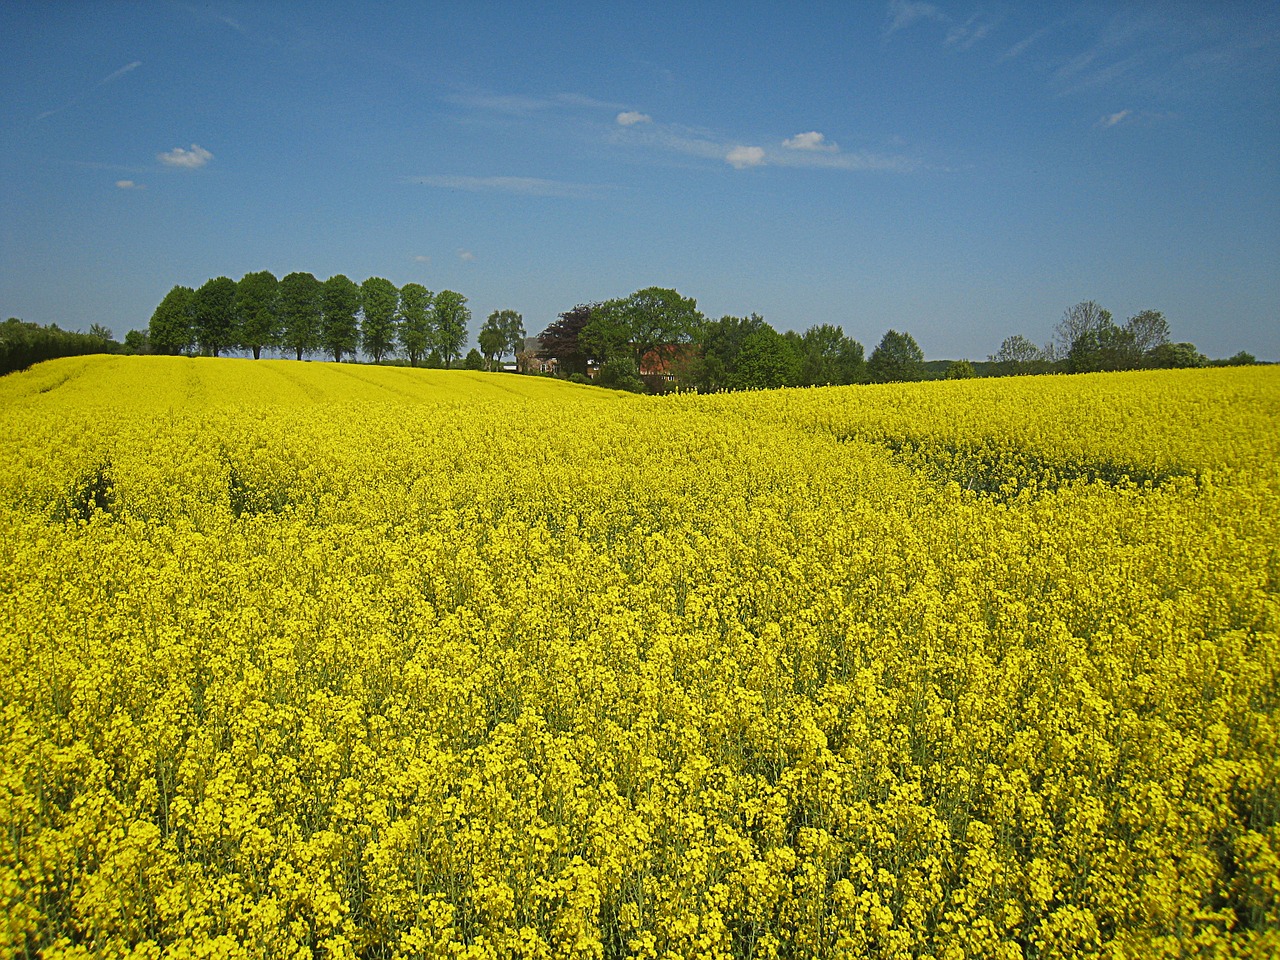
[
  {"x": 258, "y": 311},
  {"x": 1149, "y": 330},
  {"x": 620, "y": 374},
  {"x": 1104, "y": 346},
  {"x": 137, "y": 341},
  {"x": 415, "y": 321},
  {"x": 562, "y": 340},
  {"x": 502, "y": 333},
  {"x": 960, "y": 370},
  {"x": 300, "y": 313},
  {"x": 23, "y": 344},
  {"x": 641, "y": 323},
  {"x": 451, "y": 317},
  {"x": 214, "y": 315},
  {"x": 827, "y": 356},
  {"x": 172, "y": 327},
  {"x": 474, "y": 360},
  {"x": 1018, "y": 356},
  {"x": 766, "y": 360},
  {"x": 340, "y": 299},
  {"x": 1169, "y": 356},
  {"x": 100, "y": 332},
  {"x": 896, "y": 358},
  {"x": 379, "y": 300}
]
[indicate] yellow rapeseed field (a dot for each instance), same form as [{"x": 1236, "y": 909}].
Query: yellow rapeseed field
[{"x": 309, "y": 660}]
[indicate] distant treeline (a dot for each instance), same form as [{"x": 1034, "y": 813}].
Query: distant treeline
[{"x": 23, "y": 344}]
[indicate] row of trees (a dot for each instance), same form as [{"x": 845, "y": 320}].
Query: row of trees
[
  {"x": 655, "y": 336},
  {"x": 1087, "y": 339},
  {"x": 302, "y": 315}
]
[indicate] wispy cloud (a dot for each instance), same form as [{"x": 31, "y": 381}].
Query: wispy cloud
[
  {"x": 963, "y": 36},
  {"x": 811, "y": 149},
  {"x": 192, "y": 159},
  {"x": 629, "y": 118},
  {"x": 810, "y": 141},
  {"x": 1025, "y": 44},
  {"x": 522, "y": 186},
  {"x": 740, "y": 158},
  {"x": 526, "y": 104},
  {"x": 1115, "y": 119},
  {"x": 903, "y": 13},
  {"x": 420, "y": 258},
  {"x": 466, "y": 256},
  {"x": 128, "y": 185},
  {"x": 109, "y": 78}
]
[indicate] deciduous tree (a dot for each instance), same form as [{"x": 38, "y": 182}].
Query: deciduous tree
[
  {"x": 451, "y": 318},
  {"x": 562, "y": 340},
  {"x": 896, "y": 358},
  {"x": 301, "y": 312},
  {"x": 214, "y": 315},
  {"x": 171, "y": 328},
  {"x": 257, "y": 311},
  {"x": 379, "y": 300},
  {"x": 340, "y": 299},
  {"x": 415, "y": 327}
]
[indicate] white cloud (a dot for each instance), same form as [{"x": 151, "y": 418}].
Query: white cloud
[
  {"x": 629, "y": 118},
  {"x": 466, "y": 256},
  {"x": 421, "y": 259},
  {"x": 903, "y": 13},
  {"x": 1114, "y": 119},
  {"x": 742, "y": 157},
  {"x": 191, "y": 159},
  {"x": 114, "y": 75},
  {"x": 810, "y": 141},
  {"x": 128, "y": 185},
  {"x": 524, "y": 186},
  {"x": 964, "y": 35}
]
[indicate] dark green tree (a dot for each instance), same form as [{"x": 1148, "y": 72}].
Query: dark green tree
[
  {"x": 827, "y": 356},
  {"x": 503, "y": 332},
  {"x": 415, "y": 321},
  {"x": 1149, "y": 330},
  {"x": 214, "y": 315},
  {"x": 960, "y": 370},
  {"x": 562, "y": 340},
  {"x": 171, "y": 329},
  {"x": 301, "y": 311},
  {"x": 137, "y": 342},
  {"x": 379, "y": 300},
  {"x": 340, "y": 300},
  {"x": 1104, "y": 347},
  {"x": 1018, "y": 355},
  {"x": 257, "y": 311},
  {"x": 1169, "y": 356},
  {"x": 720, "y": 342},
  {"x": 99, "y": 332},
  {"x": 1087, "y": 316},
  {"x": 896, "y": 358},
  {"x": 474, "y": 360},
  {"x": 766, "y": 360},
  {"x": 451, "y": 317},
  {"x": 640, "y": 324}
]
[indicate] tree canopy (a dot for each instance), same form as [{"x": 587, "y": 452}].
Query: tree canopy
[
  {"x": 340, "y": 300},
  {"x": 896, "y": 358},
  {"x": 379, "y": 300},
  {"x": 171, "y": 328},
  {"x": 415, "y": 321},
  {"x": 214, "y": 315},
  {"x": 301, "y": 310},
  {"x": 257, "y": 311},
  {"x": 451, "y": 318}
]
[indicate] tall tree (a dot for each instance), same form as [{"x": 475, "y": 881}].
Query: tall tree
[
  {"x": 720, "y": 342},
  {"x": 897, "y": 357},
  {"x": 214, "y": 315},
  {"x": 340, "y": 299},
  {"x": 766, "y": 360},
  {"x": 451, "y": 318},
  {"x": 503, "y": 332},
  {"x": 170, "y": 330},
  {"x": 1149, "y": 329},
  {"x": 639, "y": 324},
  {"x": 300, "y": 313},
  {"x": 1103, "y": 347},
  {"x": 257, "y": 311},
  {"x": 416, "y": 329},
  {"x": 1085, "y": 317},
  {"x": 379, "y": 299},
  {"x": 827, "y": 356},
  {"x": 562, "y": 340}
]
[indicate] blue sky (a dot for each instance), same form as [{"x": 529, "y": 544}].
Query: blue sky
[{"x": 963, "y": 171}]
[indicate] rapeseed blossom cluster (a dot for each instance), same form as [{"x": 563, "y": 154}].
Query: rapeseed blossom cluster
[{"x": 335, "y": 661}]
